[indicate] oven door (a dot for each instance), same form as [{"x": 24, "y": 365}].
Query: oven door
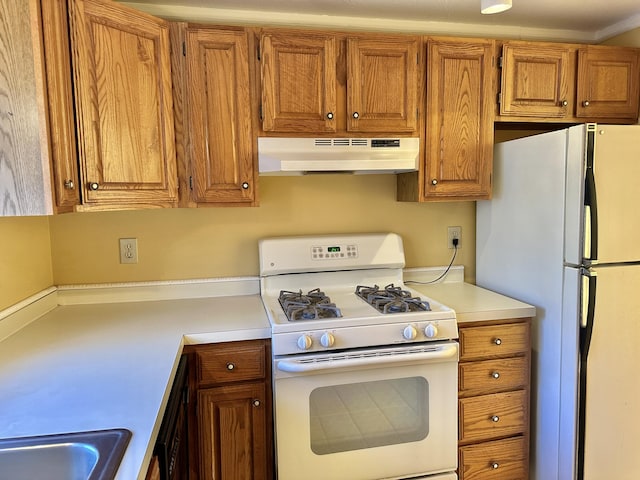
[{"x": 368, "y": 414}]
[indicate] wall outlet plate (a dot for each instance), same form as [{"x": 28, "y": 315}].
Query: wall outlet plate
[
  {"x": 454, "y": 232},
  {"x": 128, "y": 250}
]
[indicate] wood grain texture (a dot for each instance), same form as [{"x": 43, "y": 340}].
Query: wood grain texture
[
  {"x": 124, "y": 105},
  {"x": 498, "y": 460},
  {"x": 247, "y": 358},
  {"x": 477, "y": 378},
  {"x": 477, "y": 413},
  {"x": 481, "y": 342},
  {"x": 25, "y": 175}
]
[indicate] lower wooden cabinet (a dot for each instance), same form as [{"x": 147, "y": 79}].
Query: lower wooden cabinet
[
  {"x": 230, "y": 411},
  {"x": 494, "y": 392}
]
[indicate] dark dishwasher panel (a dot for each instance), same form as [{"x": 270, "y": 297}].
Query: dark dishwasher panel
[{"x": 172, "y": 446}]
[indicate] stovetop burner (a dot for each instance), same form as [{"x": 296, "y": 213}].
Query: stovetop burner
[
  {"x": 391, "y": 299},
  {"x": 314, "y": 305}
]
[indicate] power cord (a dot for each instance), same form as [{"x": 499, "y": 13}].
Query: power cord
[{"x": 455, "y": 252}]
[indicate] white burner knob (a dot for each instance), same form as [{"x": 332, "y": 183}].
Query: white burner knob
[
  {"x": 431, "y": 330},
  {"x": 409, "y": 332},
  {"x": 305, "y": 342},
  {"x": 327, "y": 340}
]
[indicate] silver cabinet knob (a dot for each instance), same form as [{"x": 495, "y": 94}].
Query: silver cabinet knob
[
  {"x": 495, "y": 375},
  {"x": 585, "y": 103},
  {"x": 330, "y": 115},
  {"x": 356, "y": 115},
  {"x": 94, "y": 186},
  {"x": 256, "y": 403},
  {"x": 495, "y": 418},
  {"x": 231, "y": 366},
  {"x": 245, "y": 185},
  {"x": 434, "y": 181},
  {"x": 495, "y": 465},
  {"x": 564, "y": 103},
  {"x": 497, "y": 341},
  {"x": 69, "y": 185}
]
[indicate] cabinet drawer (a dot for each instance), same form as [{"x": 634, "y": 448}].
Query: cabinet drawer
[
  {"x": 231, "y": 362},
  {"x": 492, "y": 416},
  {"x": 494, "y": 341},
  {"x": 490, "y": 376},
  {"x": 499, "y": 460}
]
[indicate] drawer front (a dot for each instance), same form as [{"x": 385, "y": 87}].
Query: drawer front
[
  {"x": 494, "y": 341},
  {"x": 491, "y": 376},
  {"x": 498, "y": 460},
  {"x": 492, "y": 416},
  {"x": 231, "y": 362}
]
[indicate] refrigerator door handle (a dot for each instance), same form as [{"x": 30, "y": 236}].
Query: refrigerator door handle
[
  {"x": 586, "y": 330},
  {"x": 590, "y": 253}
]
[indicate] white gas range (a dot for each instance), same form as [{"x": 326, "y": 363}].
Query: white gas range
[{"x": 364, "y": 367}]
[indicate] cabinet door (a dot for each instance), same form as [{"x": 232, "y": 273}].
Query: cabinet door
[
  {"x": 298, "y": 83},
  {"x": 25, "y": 182},
  {"x": 233, "y": 432},
  {"x": 382, "y": 84},
  {"x": 219, "y": 116},
  {"x": 124, "y": 102},
  {"x": 608, "y": 82},
  {"x": 459, "y": 139},
  {"x": 535, "y": 80}
]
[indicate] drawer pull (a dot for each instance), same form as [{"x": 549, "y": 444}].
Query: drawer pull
[
  {"x": 497, "y": 341},
  {"x": 231, "y": 366},
  {"x": 495, "y": 465},
  {"x": 496, "y": 375},
  {"x": 495, "y": 419}
]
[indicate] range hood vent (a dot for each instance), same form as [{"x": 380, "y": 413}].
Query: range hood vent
[{"x": 299, "y": 156}]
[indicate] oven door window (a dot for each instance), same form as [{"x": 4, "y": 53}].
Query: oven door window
[{"x": 368, "y": 414}]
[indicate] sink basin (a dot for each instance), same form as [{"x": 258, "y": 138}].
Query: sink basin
[{"x": 92, "y": 455}]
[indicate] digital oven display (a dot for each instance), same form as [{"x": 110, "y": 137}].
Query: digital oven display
[{"x": 333, "y": 249}]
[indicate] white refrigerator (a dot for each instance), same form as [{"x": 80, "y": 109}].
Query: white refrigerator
[{"x": 562, "y": 233}]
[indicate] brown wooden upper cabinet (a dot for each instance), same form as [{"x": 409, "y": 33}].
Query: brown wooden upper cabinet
[
  {"x": 324, "y": 83},
  {"x": 124, "y": 106},
  {"x": 567, "y": 82},
  {"x": 213, "y": 115},
  {"x": 460, "y": 112},
  {"x": 608, "y": 82}
]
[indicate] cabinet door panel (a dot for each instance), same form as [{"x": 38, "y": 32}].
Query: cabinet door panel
[
  {"x": 459, "y": 140},
  {"x": 382, "y": 85},
  {"x": 608, "y": 82},
  {"x": 535, "y": 80},
  {"x": 233, "y": 432},
  {"x": 299, "y": 83},
  {"x": 219, "y": 114},
  {"x": 124, "y": 104},
  {"x": 493, "y": 416}
]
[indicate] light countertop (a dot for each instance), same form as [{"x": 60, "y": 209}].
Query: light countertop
[{"x": 100, "y": 359}]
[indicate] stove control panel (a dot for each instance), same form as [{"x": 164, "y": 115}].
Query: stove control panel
[{"x": 334, "y": 251}]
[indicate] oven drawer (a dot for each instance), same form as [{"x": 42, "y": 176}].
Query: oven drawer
[
  {"x": 498, "y": 460},
  {"x": 220, "y": 363},
  {"x": 493, "y": 341},
  {"x": 491, "y": 376},
  {"x": 493, "y": 416}
]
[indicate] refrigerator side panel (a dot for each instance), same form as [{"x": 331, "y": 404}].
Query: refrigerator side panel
[
  {"x": 612, "y": 424},
  {"x": 574, "y": 191},
  {"x": 519, "y": 253},
  {"x": 617, "y": 170}
]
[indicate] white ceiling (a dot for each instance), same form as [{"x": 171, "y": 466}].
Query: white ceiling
[{"x": 579, "y": 20}]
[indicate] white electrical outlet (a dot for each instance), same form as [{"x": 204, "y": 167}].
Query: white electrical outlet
[
  {"x": 454, "y": 232},
  {"x": 128, "y": 250}
]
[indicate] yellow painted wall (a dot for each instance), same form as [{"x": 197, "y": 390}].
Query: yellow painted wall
[
  {"x": 627, "y": 39},
  {"x": 219, "y": 242},
  {"x": 25, "y": 258}
]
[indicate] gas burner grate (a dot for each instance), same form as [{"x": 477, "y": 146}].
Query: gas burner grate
[
  {"x": 314, "y": 305},
  {"x": 391, "y": 299}
]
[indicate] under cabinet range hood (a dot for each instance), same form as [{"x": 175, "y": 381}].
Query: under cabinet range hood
[{"x": 299, "y": 156}]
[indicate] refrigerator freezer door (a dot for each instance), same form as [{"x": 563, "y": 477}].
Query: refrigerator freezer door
[
  {"x": 617, "y": 170},
  {"x": 612, "y": 423}
]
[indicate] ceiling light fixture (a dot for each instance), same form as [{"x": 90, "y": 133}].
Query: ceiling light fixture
[{"x": 494, "y": 6}]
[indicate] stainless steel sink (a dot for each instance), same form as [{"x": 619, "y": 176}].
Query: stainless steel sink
[{"x": 92, "y": 455}]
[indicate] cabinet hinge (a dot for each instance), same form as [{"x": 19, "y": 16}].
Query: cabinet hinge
[
  {"x": 499, "y": 98},
  {"x": 258, "y": 52},
  {"x": 190, "y": 183},
  {"x": 260, "y": 112},
  {"x": 417, "y": 59},
  {"x": 184, "y": 49},
  {"x": 500, "y": 61}
]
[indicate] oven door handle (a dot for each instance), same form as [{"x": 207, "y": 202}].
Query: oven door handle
[{"x": 448, "y": 352}]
